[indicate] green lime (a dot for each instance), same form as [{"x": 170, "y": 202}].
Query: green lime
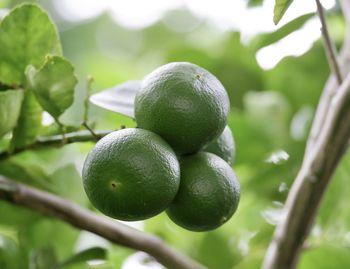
[
  {"x": 183, "y": 103},
  {"x": 131, "y": 174},
  {"x": 223, "y": 146},
  {"x": 209, "y": 193}
]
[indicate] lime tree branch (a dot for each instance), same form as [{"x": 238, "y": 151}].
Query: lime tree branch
[
  {"x": 328, "y": 135},
  {"x": 345, "y": 5},
  {"x": 329, "y": 45},
  {"x": 54, "y": 206},
  {"x": 311, "y": 182},
  {"x": 57, "y": 141},
  {"x": 332, "y": 84}
]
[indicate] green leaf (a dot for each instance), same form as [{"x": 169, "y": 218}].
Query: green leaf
[
  {"x": 43, "y": 258},
  {"x": 25, "y": 172},
  {"x": 27, "y": 35},
  {"x": 45, "y": 232},
  {"x": 9, "y": 253},
  {"x": 281, "y": 7},
  {"x": 224, "y": 257},
  {"x": 29, "y": 122},
  {"x": 266, "y": 39},
  {"x": 119, "y": 99},
  {"x": 95, "y": 253},
  {"x": 10, "y": 107},
  {"x": 253, "y": 3},
  {"x": 16, "y": 216},
  {"x": 324, "y": 257},
  {"x": 53, "y": 84},
  {"x": 4, "y": 4},
  {"x": 68, "y": 175}
]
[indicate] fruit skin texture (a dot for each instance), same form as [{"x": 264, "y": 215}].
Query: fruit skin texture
[
  {"x": 131, "y": 174},
  {"x": 184, "y": 104},
  {"x": 209, "y": 193},
  {"x": 224, "y": 146}
]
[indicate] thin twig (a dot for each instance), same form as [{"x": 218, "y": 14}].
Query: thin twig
[
  {"x": 307, "y": 191},
  {"x": 88, "y": 90},
  {"x": 329, "y": 45},
  {"x": 90, "y": 130},
  {"x": 89, "y": 81},
  {"x": 56, "y": 141},
  {"x": 81, "y": 218}
]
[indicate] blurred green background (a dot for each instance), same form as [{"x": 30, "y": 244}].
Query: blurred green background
[{"x": 271, "y": 112}]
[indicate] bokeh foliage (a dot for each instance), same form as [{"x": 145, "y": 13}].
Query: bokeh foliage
[{"x": 270, "y": 117}]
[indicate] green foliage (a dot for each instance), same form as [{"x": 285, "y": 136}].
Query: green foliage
[
  {"x": 264, "y": 40},
  {"x": 8, "y": 253},
  {"x": 268, "y": 109},
  {"x": 225, "y": 256},
  {"x": 45, "y": 237},
  {"x": 325, "y": 257},
  {"x": 119, "y": 99},
  {"x": 19, "y": 30},
  {"x": 254, "y": 2},
  {"x": 10, "y": 106},
  {"x": 43, "y": 258},
  {"x": 53, "y": 84},
  {"x": 29, "y": 122},
  {"x": 25, "y": 172},
  {"x": 281, "y": 7},
  {"x": 95, "y": 253}
]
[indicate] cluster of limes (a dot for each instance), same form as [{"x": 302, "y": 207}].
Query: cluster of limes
[{"x": 132, "y": 174}]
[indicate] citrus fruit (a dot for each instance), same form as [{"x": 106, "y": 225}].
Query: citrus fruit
[
  {"x": 208, "y": 195},
  {"x": 131, "y": 174},
  {"x": 223, "y": 146},
  {"x": 183, "y": 103}
]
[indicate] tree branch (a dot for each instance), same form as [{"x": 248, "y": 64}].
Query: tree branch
[
  {"x": 332, "y": 85},
  {"x": 300, "y": 214},
  {"x": 81, "y": 218},
  {"x": 329, "y": 45},
  {"x": 315, "y": 174},
  {"x": 345, "y": 5},
  {"x": 312, "y": 180},
  {"x": 57, "y": 141},
  {"x": 92, "y": 132}
]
